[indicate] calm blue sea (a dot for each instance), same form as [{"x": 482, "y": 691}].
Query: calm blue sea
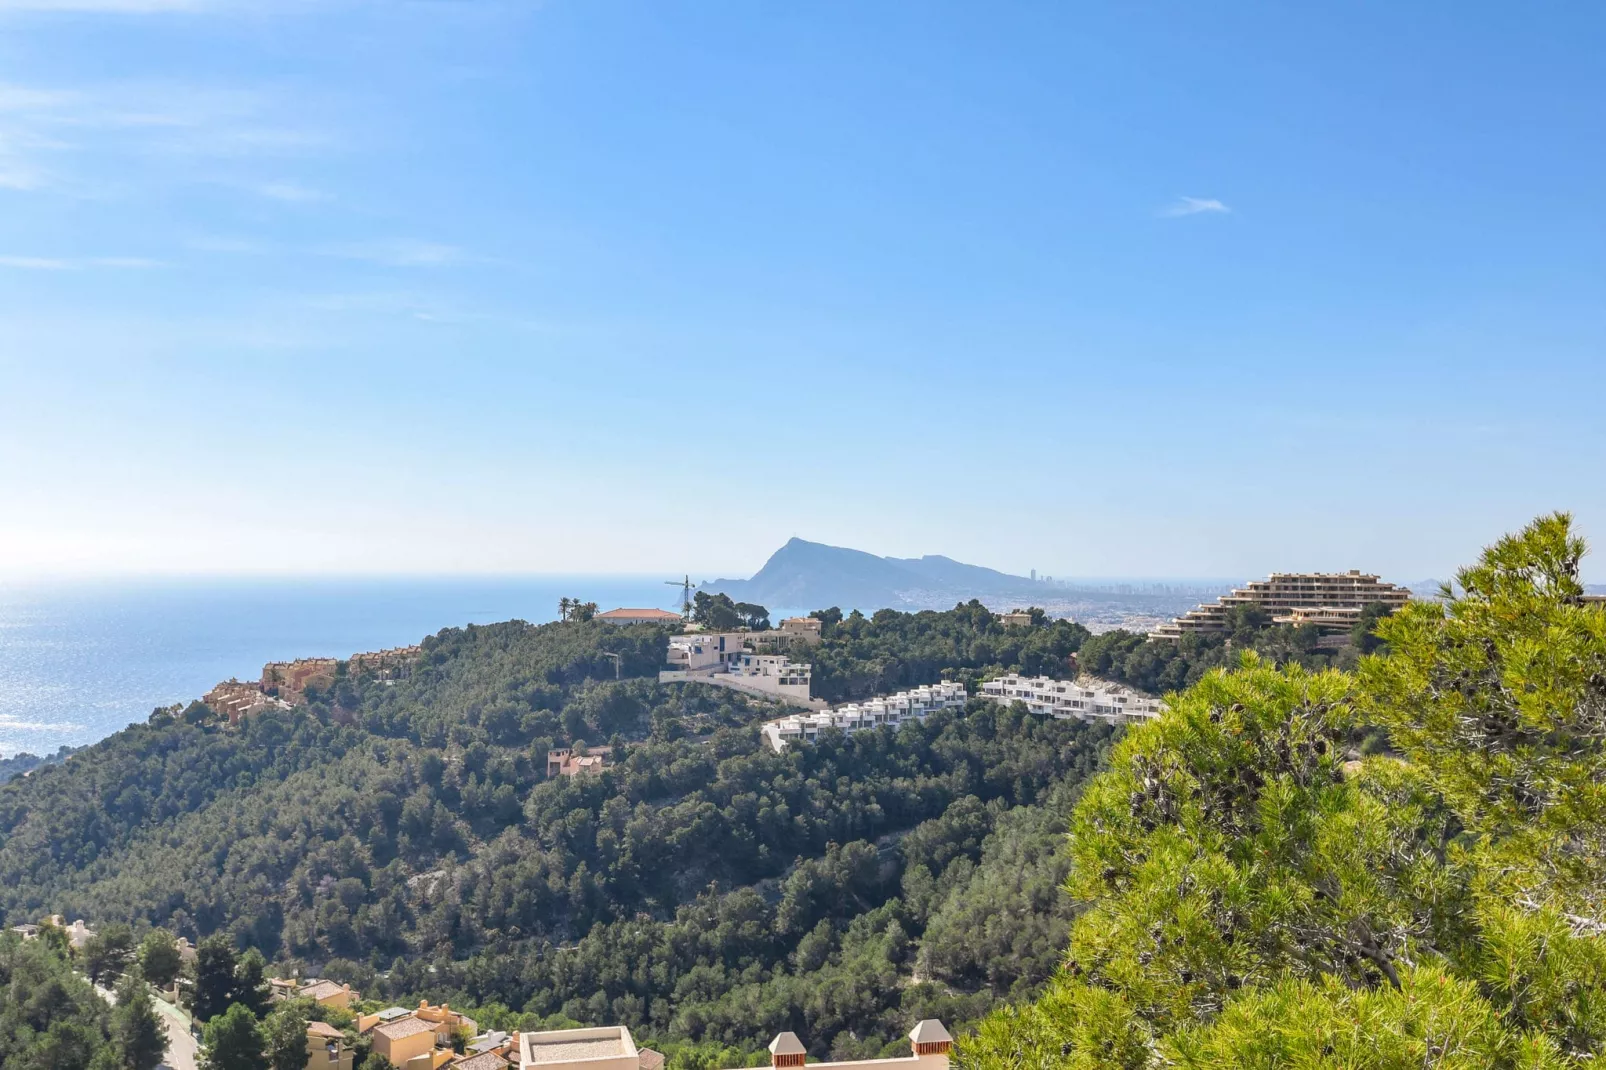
[{"x": 78, "y": 661}]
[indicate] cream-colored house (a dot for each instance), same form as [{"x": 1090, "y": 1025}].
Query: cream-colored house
[
  {"x": 408, "y": 1043},
  {"x": 326, "y": 1048},
  {"x": 328, "y": 994}
]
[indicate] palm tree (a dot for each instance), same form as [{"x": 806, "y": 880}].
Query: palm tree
[{"x": 564, "y": 604}]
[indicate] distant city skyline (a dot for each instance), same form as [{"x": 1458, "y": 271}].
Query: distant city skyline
[{"x": 1171, "y": 290}]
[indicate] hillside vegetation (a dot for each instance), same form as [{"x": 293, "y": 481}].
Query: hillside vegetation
[
  {"x": 1254, "y": 899},
  {"x": 704, "y": 890}
]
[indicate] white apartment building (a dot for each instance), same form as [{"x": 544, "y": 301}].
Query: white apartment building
[
  {"x": 913, "y": 705},
  {"x": 1332, "y": 601},
  {"x": 723, "y": 659},
  {"x": 1087, "y": 698}
]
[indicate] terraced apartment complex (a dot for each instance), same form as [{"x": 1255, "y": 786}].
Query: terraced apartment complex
[{"x": 1332, "y": 601}]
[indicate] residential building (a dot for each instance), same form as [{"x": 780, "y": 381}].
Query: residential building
[
  {"x": 328, "y": 993},
  {"x": 892, "y": 710},
  {"x": 393, "y": 664},
  {"x": 1017, "y": 618},
  {"x": 727, "y": 660},
  {"x": 446, "y": 1021},
  {"x": 603, "y": 1048},
  {"x": 289, "y": 680},
  {"x": 327, "y": 1048},
  {"x": 78, "y": 934},
  {"x": 639, "y": 616},
  {"x": 1086, "y": 698},
  {"x": 1332, "y": 601},
  {"x": 407, "y": 1043},
  {"x": 562, "y": 761}
]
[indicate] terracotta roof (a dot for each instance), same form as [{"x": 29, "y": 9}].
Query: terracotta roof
[
  {"x": 323, "y": 1029},
  {"x": 929, "y": 1031},
  {"x": 650, "y": 1060},
  {"x": 487, "y": 1060},
  {"x": 320, "y": 989},
  {"x": 643, "y": 614},
  {"x": 402, "y": 1028}
]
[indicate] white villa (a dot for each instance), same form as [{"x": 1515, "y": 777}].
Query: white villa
[
  {"x": 723, "y": 659},
  {"x": 914, "y": 705},
  {"x": 1087, "y": 698}
]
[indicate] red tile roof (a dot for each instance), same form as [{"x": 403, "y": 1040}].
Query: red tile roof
[{"x": 638, "y": 614}]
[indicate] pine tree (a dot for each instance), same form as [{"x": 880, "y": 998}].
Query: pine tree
[
  {"x": 233, "y": 1041},
  {"x": 215, "y": 963},
  {"x": 1258, "y": 898},
  {"x": 136, "y": 1031}
]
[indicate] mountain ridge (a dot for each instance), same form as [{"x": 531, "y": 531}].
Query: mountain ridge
[{"x": 804, "y": 574}]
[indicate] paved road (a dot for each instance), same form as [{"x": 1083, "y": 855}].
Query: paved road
[{"x": 181, "y": 1047}]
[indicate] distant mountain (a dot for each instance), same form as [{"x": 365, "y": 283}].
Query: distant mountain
[{"x": 811, "y": 575}]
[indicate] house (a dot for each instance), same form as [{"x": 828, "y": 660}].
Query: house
[
  {"x": 407, "y": 1043},
  {"x": 803, "y": 629},
  {"x": 446, "y": 1022},
  {"x": 603, "y": 1048},
  {"x": 639, "y": 616},
  {"x": 27, "y": 932},
  {"x": 727, "y": 659},
  {"x": 562, "y": 761},
  {"x": 78, "y": 934},
  {"x": 327, "y": 1048},
  {"x": 1018, "y": 618},
  {"x": 328, "y": 994}
]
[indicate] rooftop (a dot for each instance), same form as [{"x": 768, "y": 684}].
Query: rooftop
[
  {"x": 320, "y": 989},
  {"x": 487, "y": 1060},
  {"x": 562, "y": 1051},
  {"x": 402, "y": 1028},
  {"x": 323, "y": 1029}
]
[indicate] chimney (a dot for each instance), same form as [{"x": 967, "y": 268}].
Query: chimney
[
  {"x": 787, "y": 1050},
  {"x": 930, "y": 1038}
]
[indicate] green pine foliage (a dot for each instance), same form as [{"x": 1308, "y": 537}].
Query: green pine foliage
[
  {"x": 1256, "y": 897},
  {"x": 51, "y": 1019}
]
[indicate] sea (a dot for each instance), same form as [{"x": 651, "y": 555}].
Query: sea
[{"x": 80, "y": 660}]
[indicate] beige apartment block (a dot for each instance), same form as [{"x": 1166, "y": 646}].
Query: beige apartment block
[{"x": 1332, "y": 601}]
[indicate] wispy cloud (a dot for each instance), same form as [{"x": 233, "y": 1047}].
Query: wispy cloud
[
  {"x": 115, "y": 7},
  {"x": 102, "y": 137},
  {"x": 290, "y": 191},
  {"x": 1193, "y": 206},
  {"x": 399, "y": 253},
  {"x": 54, "y": 263}
]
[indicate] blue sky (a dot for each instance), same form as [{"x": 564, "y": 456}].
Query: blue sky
[{"x": 1100, "y": 289}]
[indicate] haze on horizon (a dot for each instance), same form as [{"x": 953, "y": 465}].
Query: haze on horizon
[{"x": 608, "y": 287}]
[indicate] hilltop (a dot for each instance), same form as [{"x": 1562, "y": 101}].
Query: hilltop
[{"x": 811, "y": 574}]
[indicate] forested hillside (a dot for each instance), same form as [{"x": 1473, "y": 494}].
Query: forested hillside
[{"x": 703, "y": 889}]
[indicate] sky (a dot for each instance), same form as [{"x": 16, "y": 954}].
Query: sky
[{"x": 1103, "y": 289}]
